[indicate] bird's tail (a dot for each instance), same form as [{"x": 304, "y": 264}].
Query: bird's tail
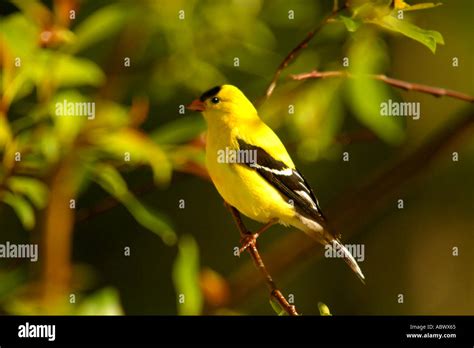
[
  {"x": 346, "y": 254},
  {"x": 323, "y": 236}
]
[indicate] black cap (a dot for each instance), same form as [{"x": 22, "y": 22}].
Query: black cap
[{"x": 210, "y": 93}]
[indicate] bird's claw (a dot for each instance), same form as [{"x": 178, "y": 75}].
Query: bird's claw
[{"x": 247, "y": 241}]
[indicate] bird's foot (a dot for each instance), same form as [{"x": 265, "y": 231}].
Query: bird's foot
[{"x": 248, "y": 241}]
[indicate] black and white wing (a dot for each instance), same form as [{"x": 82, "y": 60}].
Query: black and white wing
[{"x": 289, "y": 182}]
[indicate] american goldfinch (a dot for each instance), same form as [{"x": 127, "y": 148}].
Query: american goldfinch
[{"x": 253, "y": 172}]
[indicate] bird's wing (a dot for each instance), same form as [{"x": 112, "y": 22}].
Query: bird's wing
[{"x": 288, "y": 181}]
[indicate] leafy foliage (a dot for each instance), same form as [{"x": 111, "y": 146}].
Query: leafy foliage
[{"x": 392, "y": 18}]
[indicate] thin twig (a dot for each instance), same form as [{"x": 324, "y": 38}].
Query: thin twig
[
  {"x": 408, "y": 86},
  {"x": 294, "y": 52},
  {"x": 258, "y": 261}
]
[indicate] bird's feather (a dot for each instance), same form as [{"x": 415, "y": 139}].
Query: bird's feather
[
  {"x": 289, "y": 182},
  {"x": 210, "y": 93}
]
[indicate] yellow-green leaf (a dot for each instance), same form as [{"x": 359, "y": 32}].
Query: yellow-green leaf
[
  {"x": 365, "y": 95},
  {"x": 5, "y": 132},
  {"x": 22, "y": 208},
  {"x": 350, "y": 23},
  {"x": 277, "y": 308},
  {"x": 323, "y": 309},
  {"x": 186, "y": 277},
  {"x": 34, "y": 9},
  {"x": 402, "y": 5},
  {"x": 35, "y": 190},
  {"x": 103, "y": 302},
  {"x": 63, "y": 70},
  {"x": 112, "y": 182},
  {"x": 137, "y": 147},
  {"x": 429, "y": 38},
  {"x": 67, "y": 126}
]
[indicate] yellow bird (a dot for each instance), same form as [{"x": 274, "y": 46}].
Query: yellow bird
[{"x": 253, "y": 172}]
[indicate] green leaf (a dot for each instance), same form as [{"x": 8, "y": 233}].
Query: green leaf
[
  {"x": 19, "y": 35},
  {"x": 5, "y": 131},
  {"x": 179, "y": 131},
  {"x": 422, "y": 6},
  {"x": 63, "y": 70},
  {"x": 103, "y": 302},
  {"x": 277, "y": 308},
  {"x": 141, "y": 149},
  {"x": 35, "y": 190},
  {"x": 366, "y": 95},
  {"x": 72, "y": 71},
  {"x": 151, "y": 219},
  {"x": 186, "y": 277},
  {"x": 429, "y": 38},
  {"x": 350, "y": 23},
  {"x": 323, "y": 309},
  {"x": 370, "y": 9},
  {"x": 112, "y": 182},
  {"x": 22, "y": 208},
  {"x": 18, "y": 38},
  {"x": 316, "y": 123},
  {"x": 67, "y": 127},
  {"x": 34, "y": 9},
  {"x": 100, "y": 25},
  {"x": 110, "y": 117},
  {"x": 49, "y": 146},
  {"x": 19, "y": 87}
]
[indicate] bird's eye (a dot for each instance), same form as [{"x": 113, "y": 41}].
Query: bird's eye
[{"x": 215, "y": 100}]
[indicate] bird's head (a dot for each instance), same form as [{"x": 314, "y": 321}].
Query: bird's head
[{"x": 224, "y": 102}]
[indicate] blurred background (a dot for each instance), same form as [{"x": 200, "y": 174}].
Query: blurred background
[{"x": 121, "y": 207}]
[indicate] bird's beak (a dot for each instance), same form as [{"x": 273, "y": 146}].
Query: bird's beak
[{"x": 196, "y": 105}]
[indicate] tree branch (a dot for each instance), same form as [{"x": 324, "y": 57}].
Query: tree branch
[
  {"x": 295, "y": 51},
  {"x": 408, "y": 86},
  {"x": 258, "y": 261}
]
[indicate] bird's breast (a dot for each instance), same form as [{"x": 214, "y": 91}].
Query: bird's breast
[{"x": 241, "y": 186}]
